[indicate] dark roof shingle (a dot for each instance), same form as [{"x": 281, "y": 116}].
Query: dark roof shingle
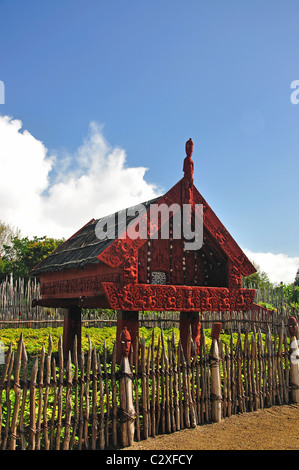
[{"x": 81, "y": 249}]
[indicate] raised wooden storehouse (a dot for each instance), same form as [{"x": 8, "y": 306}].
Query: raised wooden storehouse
[{"x": 147, "y": 273}]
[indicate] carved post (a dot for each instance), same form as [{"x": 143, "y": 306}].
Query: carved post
[
  {"x": 294, "y": 359},
  {"x": 71, "y": 329},
  {"x": 187, "y": 320},
  {"x": 195, "y": 330},
  {"x": 216, "y": 396},
  {"x": 126, "y": 391},
  {"x": 130, "y": 320}
]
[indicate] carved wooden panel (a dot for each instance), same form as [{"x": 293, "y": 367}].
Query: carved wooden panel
[
  {"x": 142, "y": 264},
  {"x": 177, "y": 262},
  {"x": 77, "y": 286},
  {"x": 177, "y": 298}
]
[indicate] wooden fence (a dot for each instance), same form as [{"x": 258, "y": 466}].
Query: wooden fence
[
  {"x": 16, "y": 311},
  {"x": 52, "y": 402},
  {"x": 16, "y": 297}
]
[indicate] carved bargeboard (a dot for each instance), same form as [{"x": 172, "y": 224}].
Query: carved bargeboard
[{"x": 176, "y": 298}]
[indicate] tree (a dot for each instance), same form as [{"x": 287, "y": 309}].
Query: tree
[
  {"x": 296, "y": 282},
  {"x": 24, "y": 253},
  {"x": 258, "y": 279},
  {"x": 7, "y": 234}
]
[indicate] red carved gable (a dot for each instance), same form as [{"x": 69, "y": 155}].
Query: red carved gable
[
  {"x": 153, "y": 273},
  {"x": 219, "y": 263}
]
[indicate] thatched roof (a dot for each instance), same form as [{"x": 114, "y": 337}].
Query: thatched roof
[{"x": 83, "y": 248}]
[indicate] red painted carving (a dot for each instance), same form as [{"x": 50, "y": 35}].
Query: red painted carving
[
  {"x": 130, "y": 273},
  {"x": 177, "y": 262},
  {"x": 125, "y": 340},
  {"x": 181, "y": 298},
  {"x": 189, "y": 268},
  {"x": 188, "y": 169},
  {"x": 159, "y": 258},
  {"x": 120, "y": 249},
  {"x": 216, "y": 330},
  {"x": 127, "y": 320},
  {"x": 195, "y": 330},
  {"x": 187, "y": 320},
  {"x": 292, "y": 326},
  {"x": 115, "y": 253},
  {"x": 142, "y": 264},
  {"x": 234, "y": 276},
  {"x": 79, "y": 285},
  {"x": 222, "y": 265}
]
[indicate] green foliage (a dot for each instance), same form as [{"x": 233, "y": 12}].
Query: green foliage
[
  {"x": 292, "y": 292},
  {"x": 257, "y": 280},
  {"x": 267, "y": 305},
  {"x": 283, "y": 296},
  {"x": 23, "y": 254},
  {"x": 34, "y": 339}
]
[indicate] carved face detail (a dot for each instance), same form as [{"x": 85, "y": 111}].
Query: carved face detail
[
  {"x": 189, "y": 147},
  {"x": 293, "y": 326},
  {"x": 125, "y": 339},
  {"x": 216, "y": 330}
]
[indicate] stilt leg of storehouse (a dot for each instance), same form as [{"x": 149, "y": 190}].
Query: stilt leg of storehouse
[
  {"x": 71, "y": 329},
  {"x": 129, "y": 319},
  {"x": 187, "y": 320}
]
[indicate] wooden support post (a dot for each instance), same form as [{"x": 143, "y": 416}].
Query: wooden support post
[
  {"x": 294, "y": 359},
  {"x": 187, "y": 320},
  {"x": 184, "y": 329},
  {"x": 216, "y": 396},
  {"x": 294, "y": 369},
  {"x": 71, "y": 329},
  {"x": 130, "y": 320},
  {"x": 126, "y": 391}
]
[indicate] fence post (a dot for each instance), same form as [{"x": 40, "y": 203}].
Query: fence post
[
  {"x": 126, "y": 392},
  {"x": 216, "y": 396},
  {"x": 294, "y": 359}
]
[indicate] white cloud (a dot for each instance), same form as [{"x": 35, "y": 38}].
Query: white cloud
[
  {"x": 93, "y": 182},
  {"x": 279, "y": 267}
]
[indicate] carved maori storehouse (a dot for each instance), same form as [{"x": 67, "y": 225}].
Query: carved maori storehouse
[{"x": 149, "y": 273}]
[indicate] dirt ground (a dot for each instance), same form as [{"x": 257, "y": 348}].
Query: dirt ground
[{"x": 273, "y": 428}]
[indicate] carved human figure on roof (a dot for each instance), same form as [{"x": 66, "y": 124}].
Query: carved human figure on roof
[
  {"x": 188, "y": 168},
  {"x": 188, "y": 162}
]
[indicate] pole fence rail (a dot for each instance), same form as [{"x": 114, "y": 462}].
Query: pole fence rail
[
  {"x": 16, "y": 311},
  {"x": 89, "y": 401},
  {"x": 232, "y": 321}
]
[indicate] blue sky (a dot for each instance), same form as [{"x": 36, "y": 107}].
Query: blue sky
[{"x": 134, "y": 80}]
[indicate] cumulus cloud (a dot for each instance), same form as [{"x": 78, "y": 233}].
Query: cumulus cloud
[
  {"x": 279, "y": 267},
  {"x": 56, "y": 194}
]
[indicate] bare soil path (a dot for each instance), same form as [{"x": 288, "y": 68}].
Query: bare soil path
[{"x": 275, "y": 428}]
